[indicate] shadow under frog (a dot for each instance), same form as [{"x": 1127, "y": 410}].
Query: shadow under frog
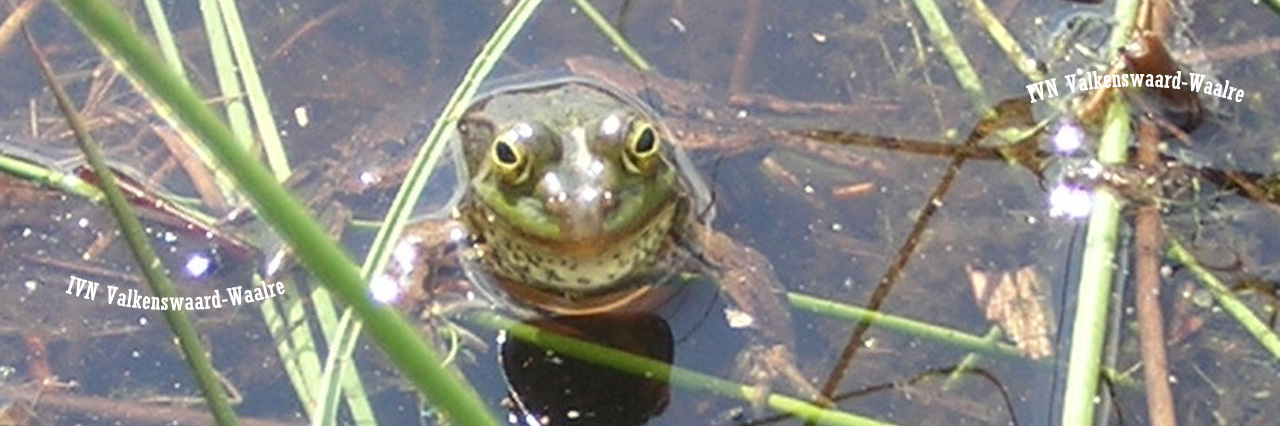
[
  {"x": 575, "y": 201},
  {"x": 548, "y": 388}
]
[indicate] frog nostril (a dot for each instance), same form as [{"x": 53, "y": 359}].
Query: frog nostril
[
  {"x": 608, "y": 203},
  {"x": 557, "y": 203}
]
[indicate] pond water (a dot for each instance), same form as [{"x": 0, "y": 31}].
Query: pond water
[{"x": 354, "y": 87}]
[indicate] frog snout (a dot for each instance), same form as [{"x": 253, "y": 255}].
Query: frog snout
[{"x": 581, "y": 212}]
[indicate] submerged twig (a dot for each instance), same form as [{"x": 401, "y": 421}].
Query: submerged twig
[
  {"x": 747, "y": 41},
  {"x": 16, "y": 18},
  {"x": 1149, "y": 236},
  {"x": 904, "y": 254}
]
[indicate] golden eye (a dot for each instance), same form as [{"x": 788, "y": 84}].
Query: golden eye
[
  {"x": 642, "y": 144},
  {"x": 509, "y": 157}
]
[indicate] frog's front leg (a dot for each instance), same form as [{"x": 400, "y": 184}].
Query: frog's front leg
[
  {"x": 416, "y": 259},
  {"x": 758, "y": 297},
  {"x": 424, "y": 276}
]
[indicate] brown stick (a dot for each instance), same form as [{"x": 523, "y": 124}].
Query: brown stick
[
  {"x": 118, "y": 410},
  {"x": 1155, "y": 366},
  {"x": 15, "y": 20},
  {"x": 746, "y": 49}
]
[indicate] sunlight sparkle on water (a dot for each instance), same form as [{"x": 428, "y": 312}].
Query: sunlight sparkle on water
[
  {"x": 1070, "y": 201},
  {"x": 1068, "y": 138},
  {"x": 198, "y": 264},
  {"x": 384, "y": 289}
]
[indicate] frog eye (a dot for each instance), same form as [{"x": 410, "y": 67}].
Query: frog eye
[
  {"x": 509, "y": 157},
  {"x": 642, "y": 144}
]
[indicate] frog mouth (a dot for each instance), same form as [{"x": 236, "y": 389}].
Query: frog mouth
[
  {"x": 596, "y": 232},
  {"x": 570, "y": 225}
]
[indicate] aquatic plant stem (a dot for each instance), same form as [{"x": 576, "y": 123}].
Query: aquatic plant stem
[
  {"x": 67, "y": 183},
  {"x": 1089, "y": 330},
  {"x": 237, "y": 113},
  {"x": 650, "y": 368},
  {"x": 324, "y": 258},
  {"x": 903, "y": 325},
  {"x": 941, "y": 35},
  {"x": 1228, "y": 300},
  {"x": 906, "y": 251},
  {"x": 259, "y": 105},
  {"x": 1097, "y": 270},
  {"x": 425, "y": 161},
  {"x": 193, "y": 350},
  {"x": 1003, "y": 38},
  {"x": 164, "y": 36},
  {"x": 637, "y": 60}
]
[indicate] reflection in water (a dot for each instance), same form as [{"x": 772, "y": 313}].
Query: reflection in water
[{"x": 549, "y": 389}]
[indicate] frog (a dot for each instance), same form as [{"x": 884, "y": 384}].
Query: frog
[{"x": 575, "y": 200}]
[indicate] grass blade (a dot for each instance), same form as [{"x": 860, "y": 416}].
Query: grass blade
[
  {"x": 323, "y": 257},
  {"x": 193, "y": 350}
]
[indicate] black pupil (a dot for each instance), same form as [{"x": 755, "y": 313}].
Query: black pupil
[
  {"x": 645, "y": 142},
  {"x": 505, "y": 154}
]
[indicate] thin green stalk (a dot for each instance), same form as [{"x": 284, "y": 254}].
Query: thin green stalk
[
  {"x": 416, "y": 178},
  {"x": 297, "y": 355},
  {"x": 225, "y": 70},
  {"x": 169, "y": 48},
  {"x": 649, "y": 368},
  {"x": 246, "y": 69},
  {"x": 1228, "y": 300},
  {"x": 188, "y": 340},
  {"x": 941, "y": 35},
  {"x": 971, "y": 359},
  {"x": 613, "y": 35},
  {"x": 259, "y": 105},
  {"x": 907, "y": 326},
  {"x": 48, "y": 177},
  {"x": 164, "y": 36},
  {"x": 1007, "y": 42},
  {"x": 342, "y": 343},
  {"x": 353, "y": 393},
  {"x": 323, "y": 257},
  {"x": 1088, "y": 332}
]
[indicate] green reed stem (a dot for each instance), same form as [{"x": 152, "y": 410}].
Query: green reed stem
[
  {"x": 259, "y": 105},
  {"x": 649, "y": 368},
  {"x": 427, "y": 157},
  {"x": 613, "y": 35},
  {"x": 323, "y": 257},
  {"x": 1003, "y": 38},
  {"x": 224, "y": 65},
  {"x": 1088, "y": 332},
  {"x": 1228, "y": 300},
  {"x": 48, "y": 177},
  {"x": 164, "y": 36},
  {"x": 940, "y": 33},
  {"x": 193, "y": 350},
  {"x": 898, "y": 324},
  {"x": 286, "y": 322},
  {"x": 429, "y": 154}
]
